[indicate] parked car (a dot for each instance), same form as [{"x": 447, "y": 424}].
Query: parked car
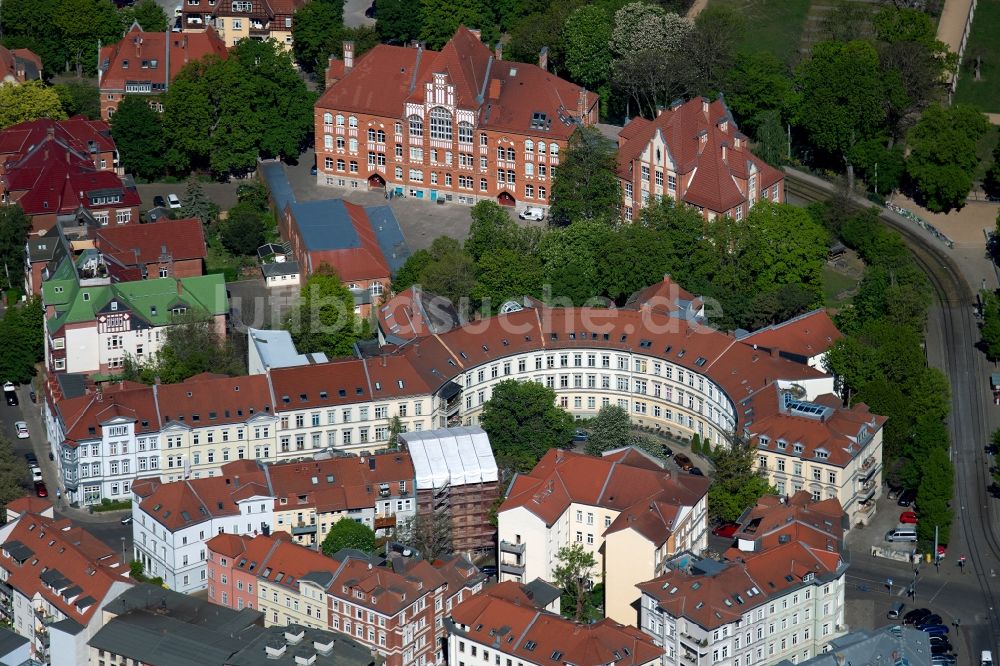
[
  {"x": 33, "y": 396},
  {"x": 10, "y": 392},
  {"x": 31, "y": 460},
  {"x": 371, "y": 11},
  {"x": 313, "y": 170},
  {"x": 159, "y": 202},
  {"x": 667, "y": 451},
  {"x": 683, "y": 461},
  {"x": 939, "y": 640},
  {"x": 489, "y": 570},
  {"x": 940, "y": 648},
  {"x": 916, "y": 615},
  {"x": 41, "y": 490},
  {"x": 36, "y": 475},
  {"x": 943, "y": 660},
  {"x": 726, "y": 530},
  {"x": 895, "y": 611},
  {"x": 21, "y": 428},
  {"x": 532, "y": 213},
  {"x": 986, "y": 658},
  {"x": 696, "y": 471},
  {"x": 934, "y": 629},
  {"x": 933, "y": 618},
  {"x": 908, "y": 518},
  {"x": 907, "y": 497},
  {"x": 174, "y": 201},
  {"x": 580, "y": 436},
  {"x": 127, "y": 520}
]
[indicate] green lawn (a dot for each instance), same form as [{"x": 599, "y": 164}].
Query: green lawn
[
  {"x": 984, "y": 151},
  {"x": 983, "y": 41},
  {"x": 834, "y": 283},
  {"x": 771, "y": 25}
]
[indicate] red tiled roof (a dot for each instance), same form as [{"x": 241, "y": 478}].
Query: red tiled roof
[
  {"x": 536, "y": 635},
  {"x": 506, "y": 95},
  {"x": 63, "y": 557},
  {"x": 84, "y": 416},
  {"x": 29, "y": 504},
  {"x": 807, "y": 335},
  {"x": 138, "y": 46},
  {"x": 13, "y": 64},
  {"x": 615, "y": 480},
  {"x": 133, "y": 244},
  {"x": 78, "y": 134},
  {"x": 209, "y": 400},
  {"x": 183, "y": 503},
  {"x": 819, "y": 524}
]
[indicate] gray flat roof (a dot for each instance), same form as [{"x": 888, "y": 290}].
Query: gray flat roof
[
  {"x": 277, "y": 350},
  {"x": 329, "y": 647},
  {"x": 9, "y": 641},
  {"x": 273, "y": 268},
  {"x": 325, "y": 225}
]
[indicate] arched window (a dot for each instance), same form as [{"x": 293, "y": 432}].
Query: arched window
[
  {"x": 327, "y": 118},
  {"x": 371, "y": 135},
  {"x": 354, "y": 145},
  {"x": 529, "y": 169},
  {"x": 511, "y": 155},
  {"x": 352, "y": 121},
  {"x": 465, "y": 132},
  {"x": 399, "y": 127},
  {"x": 416, "y": 126},
  {"x": 340, "y": 120},
  {"x": 440, "y": 123},
  {"x": 529, "y": 146},
  {"x": 327, "y": 141},
  {"x": 541, "y": 147},
  {"x": 555, "y": 149}
]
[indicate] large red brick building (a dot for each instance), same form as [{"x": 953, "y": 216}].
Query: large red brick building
[
  {"x": 144, "y": 63},
  {"x": 457, "y": 124},
  {"x": 693, "y": 152}
]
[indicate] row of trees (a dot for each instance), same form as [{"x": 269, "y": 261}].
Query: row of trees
[
  {"x": 219, "y": 115},
  {"x": 881, "y": 362},
  {"x": 762, "y": 269},
  {"x": 65, "y": 33},
  {"x": 21, "y": 329}
]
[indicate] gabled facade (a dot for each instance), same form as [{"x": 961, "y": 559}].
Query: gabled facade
[
  {"x": 460, "y": 124},
  {"x": 82, "y": 135},
  {"x": 18, "y": 66},
  {"x": 168, "y": 248},
  {"x": 242, "y": 19},
  {"x": 624, "y": 508},
  {"x": 145, "y": 63},
  {"x": 56, "y": 579},
  {"x": 693, "y": 152}
]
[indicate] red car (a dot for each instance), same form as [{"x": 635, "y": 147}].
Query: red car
[
  {"x": 726, "y": 530},
  {"x": 908, "y": 518},
  {"x": 41, "y": 490}
]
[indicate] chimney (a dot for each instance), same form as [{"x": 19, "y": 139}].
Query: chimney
[
  {"x": 180, "y": 288},
  {"x": 704, "y": 105},
  {"x": 348, "y": 56},
  {"x": 498, "y": 51},
  {"x": 581, "y": 106},
  {"x": 477, "y": 32},
  {"x": 543, "y": 58},
  {"x": 724, "y": 155}
]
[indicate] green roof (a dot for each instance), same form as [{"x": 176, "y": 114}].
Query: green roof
[{"x": 150, "y": 300}]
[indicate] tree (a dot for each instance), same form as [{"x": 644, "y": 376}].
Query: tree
[
  {"x": 427, "y": 533},
  {"x": 586, "y": 185},
  {"x": 842, "y": 99},
  {"x": 451, "y": 273},
  {"x": 542, "y": 28},
  {"x": 398, "y": 21},
  {"x": 29, "y": 24},
  {"x": 758, "y": 83},
  {"x": 710, "y": 48},
  {"x": 572, "y": 260},
  {"x": 243, "y": 230},
  {"x": 934, "y": 495},
  {"x": 882, "y": 167},
  {"x": 441, "y": 18},
  {"x": 395, "y": 428},
  {"x": 942, "y": 157},
  {"x": 317, "y": 27},
  {"x": 197, "y": 204},
  {"x": 12, "y": 471},
  {"x": 14, "y": 228},
  {"x": 611, "y": 429},
  {"x": 492, "y": 229},
  {"x": 325, "y": 321},
  {"x": 523, "y": 422},
  {"x": 638, "y": 25},
  {"x": 991, "y": 182},
  {"x": 347, "y": 533},
  {"x": 735, "y": 485},
  {"x": 81, "y": 24},
  {"x": 506, "y": 275},
  {"x": 411, "y": 270},
  {"x": 770, "y": 142},
  {"x": 587, "y": 34},
  {"x": 22, "y": 328},
  {"x": 147, "y": 14},
  {"x": 573, "y": 575},
  {"x": 192, "y": 346},
  {"x": 990, "y": 330},
  {"x": 138, "y": 134},
  {"x": 28, "y": 101},
  {"x": 79, "y": 98}
]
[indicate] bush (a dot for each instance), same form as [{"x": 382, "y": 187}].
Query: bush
[{"x": 111, "y": 505}]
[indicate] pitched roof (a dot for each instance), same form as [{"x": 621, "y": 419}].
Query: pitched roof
[
  {"x": 131, "y": 244},
  {"x": 615, "y": 480},
  {"x": 396, "y": 70},
  {"x": 65, "y": 565},
  {"x": 339, "y": 233},
  {"x": 774, "y": 521},
  {"x": 78, "y": 133},
  {"x": 806, "y": 335},
  {"x": 133, "y": 57},
  {"x": 83, "y": 417},
  {"x": 413, "y": 313},
  {"x": 213, "y": 400},
  {"x": 19, "y": 64},
  {"x": 504, "y": 619}
]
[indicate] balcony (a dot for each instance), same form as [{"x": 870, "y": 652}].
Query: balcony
[
  {"x": 515, "y": 548},
  {"x": 303, "y": 528},
  {"x": 869, "y": 472},
  {"x": 867, "y": 508},
  {"x": 385, "y": 522},
  {"x": 868, "y": 462},
  {"x": 512, "y": 569}
]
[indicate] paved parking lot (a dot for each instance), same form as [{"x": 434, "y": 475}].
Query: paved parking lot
[
  {"x": 256, "y": 306},
  {"x": 420, "y": 221},
  {"x": 223, "y": 194}
]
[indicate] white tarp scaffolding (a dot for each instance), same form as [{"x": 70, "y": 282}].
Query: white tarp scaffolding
[{"x": 450, "y": 456}]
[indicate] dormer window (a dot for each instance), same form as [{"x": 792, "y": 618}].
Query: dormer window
[
  {"x": 782, "y": 444},
  {"x": 797, "y": 448},
  {"x": 763, "y": 441},
  {"x": 124, "y": 64}
]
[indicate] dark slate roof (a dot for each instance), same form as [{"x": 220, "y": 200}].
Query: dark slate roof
[
  {"x": 325, "y": 225},
  {"x": 273, "y": 268},
  {"x": 344, "y": 651},
  {"x": 9, "y": 641},
  {"x": 72, "y": 384},
  {"x": 68, "y": 626},
  {"x": 389, "y": 236},
  {"x": 154, "y": 214},
  {"x": 541, "y": 593},
  {"x": 277, "y": 184}
]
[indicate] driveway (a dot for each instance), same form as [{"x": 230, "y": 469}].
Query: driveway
[
  {"x": 420, "y": 221},
  {"x": 255, "y": 306},
  {"x": 222, "y": 194}
]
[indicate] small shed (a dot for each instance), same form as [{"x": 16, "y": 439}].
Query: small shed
[{"x": 836, "y": 251}]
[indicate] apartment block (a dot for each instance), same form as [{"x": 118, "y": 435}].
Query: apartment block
[
  {"x": 242, "y": 19},
  {"x": 460, "y": 124},
  {"x": 503, "y": 623},
  {"x": 394, "y": 605},
  {"x": 624, "y": 508},
  {"x": 778, "y": 594}
]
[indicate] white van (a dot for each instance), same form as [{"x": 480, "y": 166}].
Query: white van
[
  {"x": 901, "y": 533},
  {"x": 532, "y": 213},
  {"x": 987, "y": 658}
]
